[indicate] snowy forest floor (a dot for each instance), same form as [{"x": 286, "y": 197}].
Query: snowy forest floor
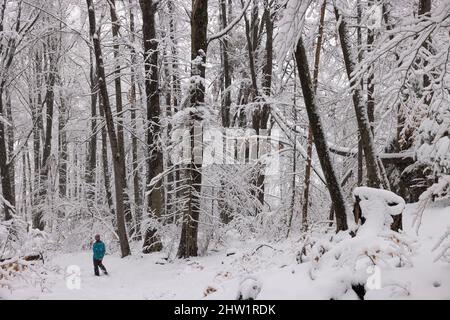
[{"x": 218, "y": 275}]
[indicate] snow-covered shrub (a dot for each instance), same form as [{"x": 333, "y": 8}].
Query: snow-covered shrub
[
  {"x": 21, "y": 253},
  {"x": 377, "y": 208},
  {"x": 343, "y": 261},
  {"x": 13, "y": 235}
]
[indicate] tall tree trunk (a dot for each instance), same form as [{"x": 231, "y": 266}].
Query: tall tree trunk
[
  {"x": 4, "y": 168},
  {"x": 37, "y": 106},
  {"x": 134, "y": 143},
  {"x": 105, "y": 163},
  {"x": 225, "y": 216},
  {"x": 334, "y": 187},
  {"x": 370, "y": 78},
  {"x": 11, "y": 141},
  {"x": 371, "y": 99},
  {"x": 62, "y": 147},
  {"x": 92, "y": 144},
  {"x": 253, "y": 93},
  {"x": 226, "y": 97},
  {"x": 50, "y": 63},
  {"x": 118, "y": 161},
  {"x": 24, "y": 185},
  {"x": 176, "y": 95},
  {"x": 115, "y": 27},
  {"x": 310, "y": 134},
  {"x": 264, "y": 112},
  {"x": 373, "y": 173},
  {"x": 199, "y": 23},
  {"x": 360, "y": 56},
  {"x": 152, "y": 241},
  {"x": 294, "y": 159}
]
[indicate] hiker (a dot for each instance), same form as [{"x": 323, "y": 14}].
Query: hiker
[{"x": 99, "y": 253}]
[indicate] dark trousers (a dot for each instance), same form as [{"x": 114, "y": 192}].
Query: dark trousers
[{"x": 98, "y": 263}]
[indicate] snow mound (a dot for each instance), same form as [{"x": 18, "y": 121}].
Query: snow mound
[
  {"x": 377, "y": 208},
  {"x": 395, "y": 204},
  {"x": 249, "y": 288}
]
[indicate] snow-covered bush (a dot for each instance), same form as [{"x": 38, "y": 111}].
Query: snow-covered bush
[
  {"x": 344, "y": 261},
  {"x": 21, "y": 253},
  {"x": 377, "y": 208}
]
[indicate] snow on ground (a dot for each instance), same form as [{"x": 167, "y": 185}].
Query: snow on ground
[{"x": 268, "y": 271}]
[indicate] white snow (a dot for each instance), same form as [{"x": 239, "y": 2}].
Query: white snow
[
  {"x": 387, "y": 200},
  {"x": 271, "y": 272}
]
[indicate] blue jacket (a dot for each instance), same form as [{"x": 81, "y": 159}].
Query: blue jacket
[{"x": 99, "y": 250}]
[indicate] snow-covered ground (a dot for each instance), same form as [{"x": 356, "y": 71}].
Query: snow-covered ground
[{"x": 271, "y": 269}]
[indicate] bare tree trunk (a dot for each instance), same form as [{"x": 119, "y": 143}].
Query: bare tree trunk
[
  {"x": 373, "y": 173},
  {"x": 11, "y": 141},
  {"x": 251, "y": 37},
  {"x": 226, "y": 97},
  {"x": 370, "y": 78},
  {"x": 251, "y": 59},
  {"x": 176, "y": 94},
  {"x": 225, "y": 216},
  {"x": 359, "y": 40},
  {"x": 310, "y": 134},
  {"x": 37, "y": 106},
  {"x": 294, "y": 159},
  {"x": 264, "y": 112},
  {"x": 119, "y": 108},
  {"x": 118, "y": 161},
  {"x": 152, "y": 241},
  {"x": 92, "y": 147},
  {"x": 4, "y": 168},
  {"x": 62, "y": 147},
  {"x": 319, "y": 137},
  {"x": 199, "y": 23},
  {"x": 51, "y": 62},
  {"x": 105, "y": 164},
  {"x": 134, "y": 143},
  {"x": 24, "y": 184}
]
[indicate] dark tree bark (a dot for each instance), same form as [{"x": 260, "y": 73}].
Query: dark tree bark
[
  {"x": 24, "y": 185},
  {"x": 50, "y": 62},
  {"x": 251, "y": 60},
  {"x": 373, "y": 173},
  {"x": 4, "y": 168},
  {"x": 370, "y": 78},
  {"x": 334, "y": 187},
  {"x": 105, "y": 163},
  {"x": 152, "y": 241},
  {"x": 37, "y": 106},
  {"x": 263, "y": 112},
  {"x": 118, "y": 160},
  {"x": 11, "y": 140},
  {"x": 226, "y": 97},
  {"x": 136, "y": 230},
  {"x": 176, "y": 84},
  {"x": 253, "y": 93},
  {"x": 310, "y": 133},
  {"x": 199, "y": 23},
  {"x": 360, "y": 56},
  {"x": 92, "y": 144},
  {"x": 62, "y": 147},
  {"x": 115, "y": 27}
]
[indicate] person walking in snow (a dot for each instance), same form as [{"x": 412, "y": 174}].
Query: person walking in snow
[{"x": 99, "y": 252}]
